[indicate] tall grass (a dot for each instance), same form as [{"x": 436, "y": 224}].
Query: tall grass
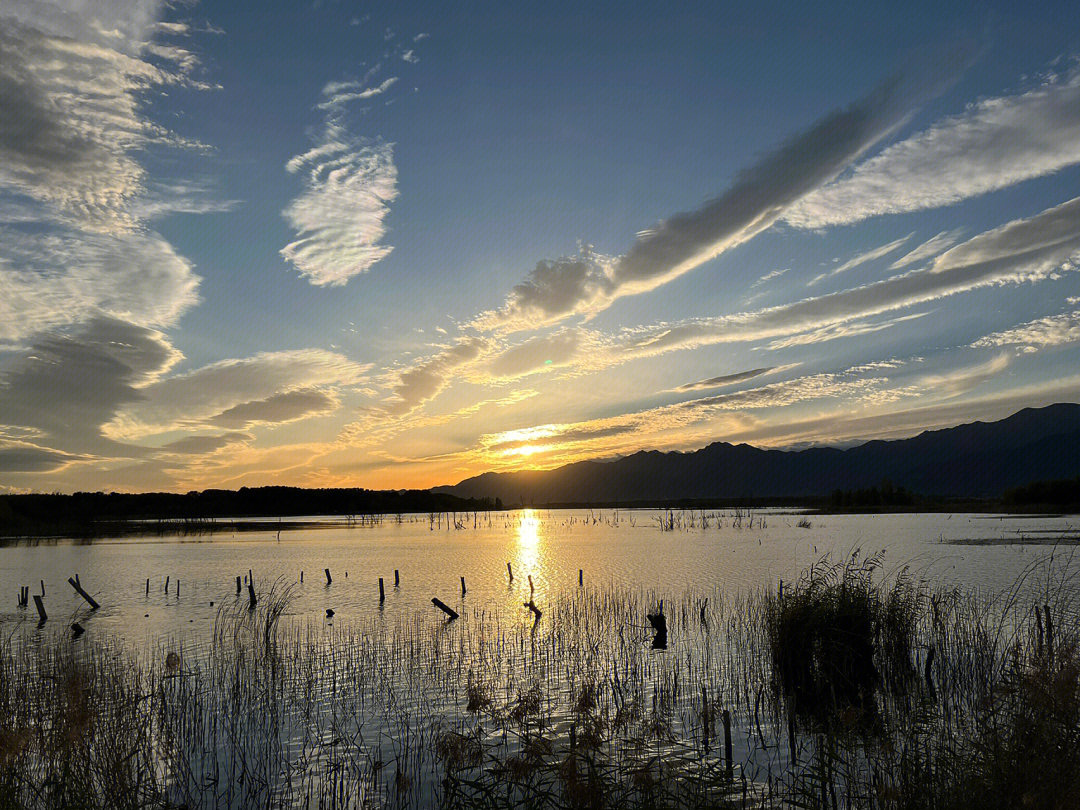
[{"x": 825, "y": 687}]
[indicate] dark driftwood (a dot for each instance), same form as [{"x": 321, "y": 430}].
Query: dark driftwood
[
  {"x": 445, "y": 608},
  {"x": 531, "y": 605},
  {"x": 73, "y": 581},
  {"x": 659, "y": 624}
]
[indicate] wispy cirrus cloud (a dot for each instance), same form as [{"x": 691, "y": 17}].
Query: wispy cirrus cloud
[
  {"x": 340, "y": 216},
  {"x": 1024, "y": 250},
  {"x": 995, "y": 143},
  {"x": 731, "y": 379},
  {"x": 932, "y": 247},
  {"x": 1053, "y": 330},
  {"x": 589, "y": 283},
  {"x": 862, "y": 258}
]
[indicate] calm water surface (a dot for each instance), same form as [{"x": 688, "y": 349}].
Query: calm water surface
[{"x": 625, "y": 548}]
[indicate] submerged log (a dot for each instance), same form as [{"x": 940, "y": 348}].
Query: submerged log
[
  {"x": 74, "y": 582},
  {"x": 445, "y": 608}
]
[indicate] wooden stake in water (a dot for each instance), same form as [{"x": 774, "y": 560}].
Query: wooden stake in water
[
  {"x": 463, "y": 586},
  {"x": 382, "y": 593},
  {"x": 397, "y": 580},
  {"x": 510, "y": 572},
  {"x": 238, "y": 583},
  {"x": 251, "y": 597},
  {"x": 43, "y": 588},
  {"x": 40, "y": 609},
  {"x": 532, "y": 590},
  {"x": 166, "y": 586},
  {"x": 329, "y": 580},
  {"x": 580, "y": 577},
  {"x": 90, "y": 600},
  {"x": 148, "y": 586}
]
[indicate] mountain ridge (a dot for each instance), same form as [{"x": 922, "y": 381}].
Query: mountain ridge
[{"x": 974, "y": 459}]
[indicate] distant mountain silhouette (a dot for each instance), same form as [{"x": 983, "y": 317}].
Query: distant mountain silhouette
[{"x": 972, "y": 460}]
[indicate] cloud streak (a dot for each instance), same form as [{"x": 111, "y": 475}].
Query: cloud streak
[
  {"x": 760, "y": 195},
  {"x": 995, "y": 143}
]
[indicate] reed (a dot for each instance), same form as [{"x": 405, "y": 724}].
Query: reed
[{"x": 578, "y": 711}]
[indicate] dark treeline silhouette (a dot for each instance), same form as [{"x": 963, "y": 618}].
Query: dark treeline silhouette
[
  {"x": 884, "y": 495},
  {"x": 1046, "y": 493},
  {"x": 84, "y": 512}
]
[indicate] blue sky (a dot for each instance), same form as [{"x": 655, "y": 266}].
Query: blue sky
[{"x": 396, "y": 245}]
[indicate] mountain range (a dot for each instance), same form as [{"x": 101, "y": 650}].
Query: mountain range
[{"x": 978, "y": 459}]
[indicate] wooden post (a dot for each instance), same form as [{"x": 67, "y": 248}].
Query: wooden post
[
  {"x": 531, "y": 605},
  {"x": 148, "y": 586},
  {"x": 77, "y": 630},
  {"x": 40, "y": 609},
  {"x": 463, "y": 586},
  {"x": 382, "y": 593},
  {"x": 177, "y": 589},
  {"x": 238, "y": 583},
  {"x": 532, "y": 590},
  {"x": 301, "y": 577},
  {"x": 510, "y": 572},
  {"x": 449, "y": 611},
  {"x": 43, "y": 588},
  {"x": 329, "y": 579},
  {"x": 166, "y": 585},
  {"x": 397, "y": 579},
  {"x": 74, "y": 584},
  {"x": 580, "y": 578},
  {"x": 727, "y": 746},
  {"x": 251, "y": 597}
]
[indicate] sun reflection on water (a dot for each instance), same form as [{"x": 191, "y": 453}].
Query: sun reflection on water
[{"x": 530, "y": 551}]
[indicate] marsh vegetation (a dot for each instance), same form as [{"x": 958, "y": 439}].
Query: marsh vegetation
[{"x": 845, "y": 688}]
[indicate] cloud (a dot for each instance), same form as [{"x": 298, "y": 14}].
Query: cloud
[
  {"x": 250, "y": 385},
  {"x": 1023, "y": 250},
  {"x": 48, "y": 280},
  {"x": 995, "y": 143},
  {"x": 840, "y": 331},
  {"x": 71, "y": 80},
  {"x": 760, "y": 195},
  {"x": 29, "y": 458},
  {"x": 69, "y": 384},
  {"x": 339, "y": 218},
  {"x": 769, "y": 277},
  {"x": 538, "y": 353},
  {"x": 427, "y": 378},
  {"x": 929, "y": 249},
  {"x": 337, "y": 94},
  {"x": 202, "y": 445},
  {"x": 863, "y": 258},
  {"x": 288, "y": 406},
  {"x": 633, "y": 428},
  {"x": 1054, "y": 330},
  {"x": 729, "y": 379}
]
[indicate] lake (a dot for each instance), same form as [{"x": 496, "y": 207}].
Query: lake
[
  {"x": 625, "y": 548},
  {"x": 212, "y": 705}
]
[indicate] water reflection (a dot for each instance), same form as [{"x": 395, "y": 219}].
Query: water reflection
[{"x": 530, "y": 552}]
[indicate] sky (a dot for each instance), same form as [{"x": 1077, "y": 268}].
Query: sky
[{"x": 393, "y": 245}]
